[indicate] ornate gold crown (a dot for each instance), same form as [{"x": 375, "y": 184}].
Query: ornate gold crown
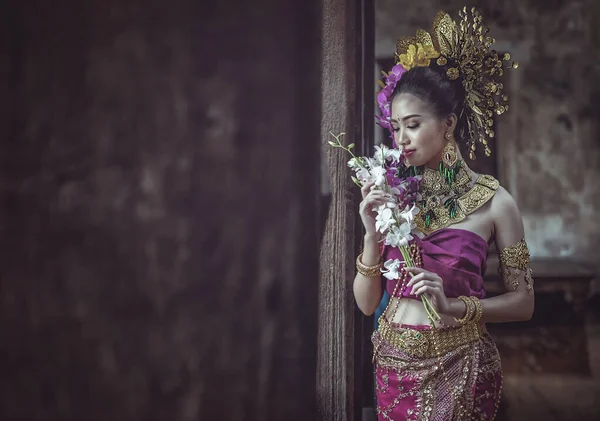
[{"x": 465, "y": 48}]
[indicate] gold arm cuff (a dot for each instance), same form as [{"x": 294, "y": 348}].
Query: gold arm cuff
[
  {"x": 516, "y": 256},
  {"x": 513, "y": 260}
]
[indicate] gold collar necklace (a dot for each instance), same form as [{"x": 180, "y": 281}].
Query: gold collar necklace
[{"x": 443, "y": 204}]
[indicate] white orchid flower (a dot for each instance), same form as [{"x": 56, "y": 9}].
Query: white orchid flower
[
  {"x": 382, "y": 153},
  {"x": 378, "y": 174},
  {"x": 395, "y": 238},
  {"x": 404, "y": 231},
  {"x": 364, "y": 176},
  {"x": 395, "y": 154},
  {"x": 384, "y": 219},
  {"x": 371, "y": 162},
  {"x": 392, "y": 268},
  {"x": 408, "y": 214}
]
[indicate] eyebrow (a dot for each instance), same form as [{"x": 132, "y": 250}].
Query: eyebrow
[{"x": 393, "y": 120}]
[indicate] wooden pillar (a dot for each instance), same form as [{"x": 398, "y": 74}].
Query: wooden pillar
[
  {"x": 347, "y": 107},
  {"x": 159, "y": 225}
]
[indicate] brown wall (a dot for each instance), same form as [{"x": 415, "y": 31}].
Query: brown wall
[{"x": 159, "y": 206}]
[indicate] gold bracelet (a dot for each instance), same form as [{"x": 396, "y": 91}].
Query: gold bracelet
[
  {"x": 470, "y": 310},
  {"x": 368, "y": 271},
  {"x": 478, "y": 309}
]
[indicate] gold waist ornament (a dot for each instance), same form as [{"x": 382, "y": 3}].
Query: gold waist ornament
[{"x": 431, "y": 343}]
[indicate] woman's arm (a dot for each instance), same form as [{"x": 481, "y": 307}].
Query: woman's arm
[
  {"x": 367, "y": 290},
  {"x": 518, "y": 302}
]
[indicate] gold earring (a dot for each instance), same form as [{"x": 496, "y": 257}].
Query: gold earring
[{"x": 449, "y": 155}]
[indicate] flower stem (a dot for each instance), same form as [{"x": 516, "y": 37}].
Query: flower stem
[{"x": 431, "y": 312}]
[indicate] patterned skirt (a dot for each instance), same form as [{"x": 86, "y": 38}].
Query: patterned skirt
[{"x": 452, "y": 374}]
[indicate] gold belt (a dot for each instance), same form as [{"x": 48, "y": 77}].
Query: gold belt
[{"x": 430, "y": 342}]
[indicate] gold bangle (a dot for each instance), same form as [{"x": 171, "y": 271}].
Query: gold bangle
[
  {"x": 368, "y": 271},
  {"x": 469, "y": 313},
  {"x": 478, "y": 309}
]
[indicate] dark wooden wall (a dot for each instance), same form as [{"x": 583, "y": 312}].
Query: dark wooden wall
[{"x": 159, "y": 189}]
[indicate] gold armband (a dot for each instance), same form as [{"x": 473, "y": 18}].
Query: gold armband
[
  {"x": 368, "y": 271},
  {"x": 513, "y": 261}
]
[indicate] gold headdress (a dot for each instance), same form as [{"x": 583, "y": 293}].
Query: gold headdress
[{"x": 465, "y": 47}]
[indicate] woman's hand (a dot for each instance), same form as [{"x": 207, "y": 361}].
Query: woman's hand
[
  {"x": 426, "y": 282},
  {"x": 371, "y": 199}
]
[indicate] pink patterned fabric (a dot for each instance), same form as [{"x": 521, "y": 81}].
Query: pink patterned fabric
[
  {"x": 468, "y": 387},
  {"x": 411, "y": 388}
]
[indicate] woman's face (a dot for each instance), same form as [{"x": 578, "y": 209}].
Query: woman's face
[{"x": 419, "y": 132}]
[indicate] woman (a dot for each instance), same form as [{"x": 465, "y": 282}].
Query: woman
[{"x": 446, "y": 369}]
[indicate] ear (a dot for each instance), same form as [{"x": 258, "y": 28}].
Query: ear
[{"x": 450, "y": 122}]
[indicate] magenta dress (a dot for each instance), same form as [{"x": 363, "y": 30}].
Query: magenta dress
[{"x": 462, "y": 383}]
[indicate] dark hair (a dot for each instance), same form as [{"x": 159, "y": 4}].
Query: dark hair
[{"x": 431, "y": 85}]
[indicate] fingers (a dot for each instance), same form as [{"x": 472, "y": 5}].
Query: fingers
[
  {"x": 376, "y": 197},
  {"x": 426, "y": 286},
  {"x": 431, "y": 291},
  {"x": 415, "y": 270},
  {"x": 422, "y": 274},
  {"x": 415, "y": 279},
  {"x": 366, "y": 189}
]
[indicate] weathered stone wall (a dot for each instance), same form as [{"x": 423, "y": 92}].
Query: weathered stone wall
[
  {"x": 549, "y": 144},
  {"x": 159, "y": 175}
]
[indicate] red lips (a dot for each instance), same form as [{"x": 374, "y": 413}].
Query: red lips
[{"x": 408, "y": 152}]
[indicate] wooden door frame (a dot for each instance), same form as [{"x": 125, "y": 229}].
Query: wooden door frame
[{"x": 348, "y": 103}]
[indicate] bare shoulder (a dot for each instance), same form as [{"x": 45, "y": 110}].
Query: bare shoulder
[
  {"x": 503, "y": 202},
  {"x": 508, "y": 222}
]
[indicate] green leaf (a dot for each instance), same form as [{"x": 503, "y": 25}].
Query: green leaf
[
  {"x": 350, "y": 146},
  {"x": 332, "y": 143},
  {"x": 356, "y": 181}
]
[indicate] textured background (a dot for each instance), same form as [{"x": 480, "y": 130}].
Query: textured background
[{"x": 159, "y": 210}]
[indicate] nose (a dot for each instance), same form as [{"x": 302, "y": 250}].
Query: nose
[{"x": 403, "y": 139}]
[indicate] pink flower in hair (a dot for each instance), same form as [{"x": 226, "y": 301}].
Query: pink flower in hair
[{"x": 384, "y": 98}]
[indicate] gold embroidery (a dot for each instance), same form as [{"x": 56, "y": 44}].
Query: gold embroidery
[
  {"x": 488, "y": 181},
  {"x": 472, "y": 383},
  {"x": 515, "y": 260},
  {"x": 475, "y": 198}
]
